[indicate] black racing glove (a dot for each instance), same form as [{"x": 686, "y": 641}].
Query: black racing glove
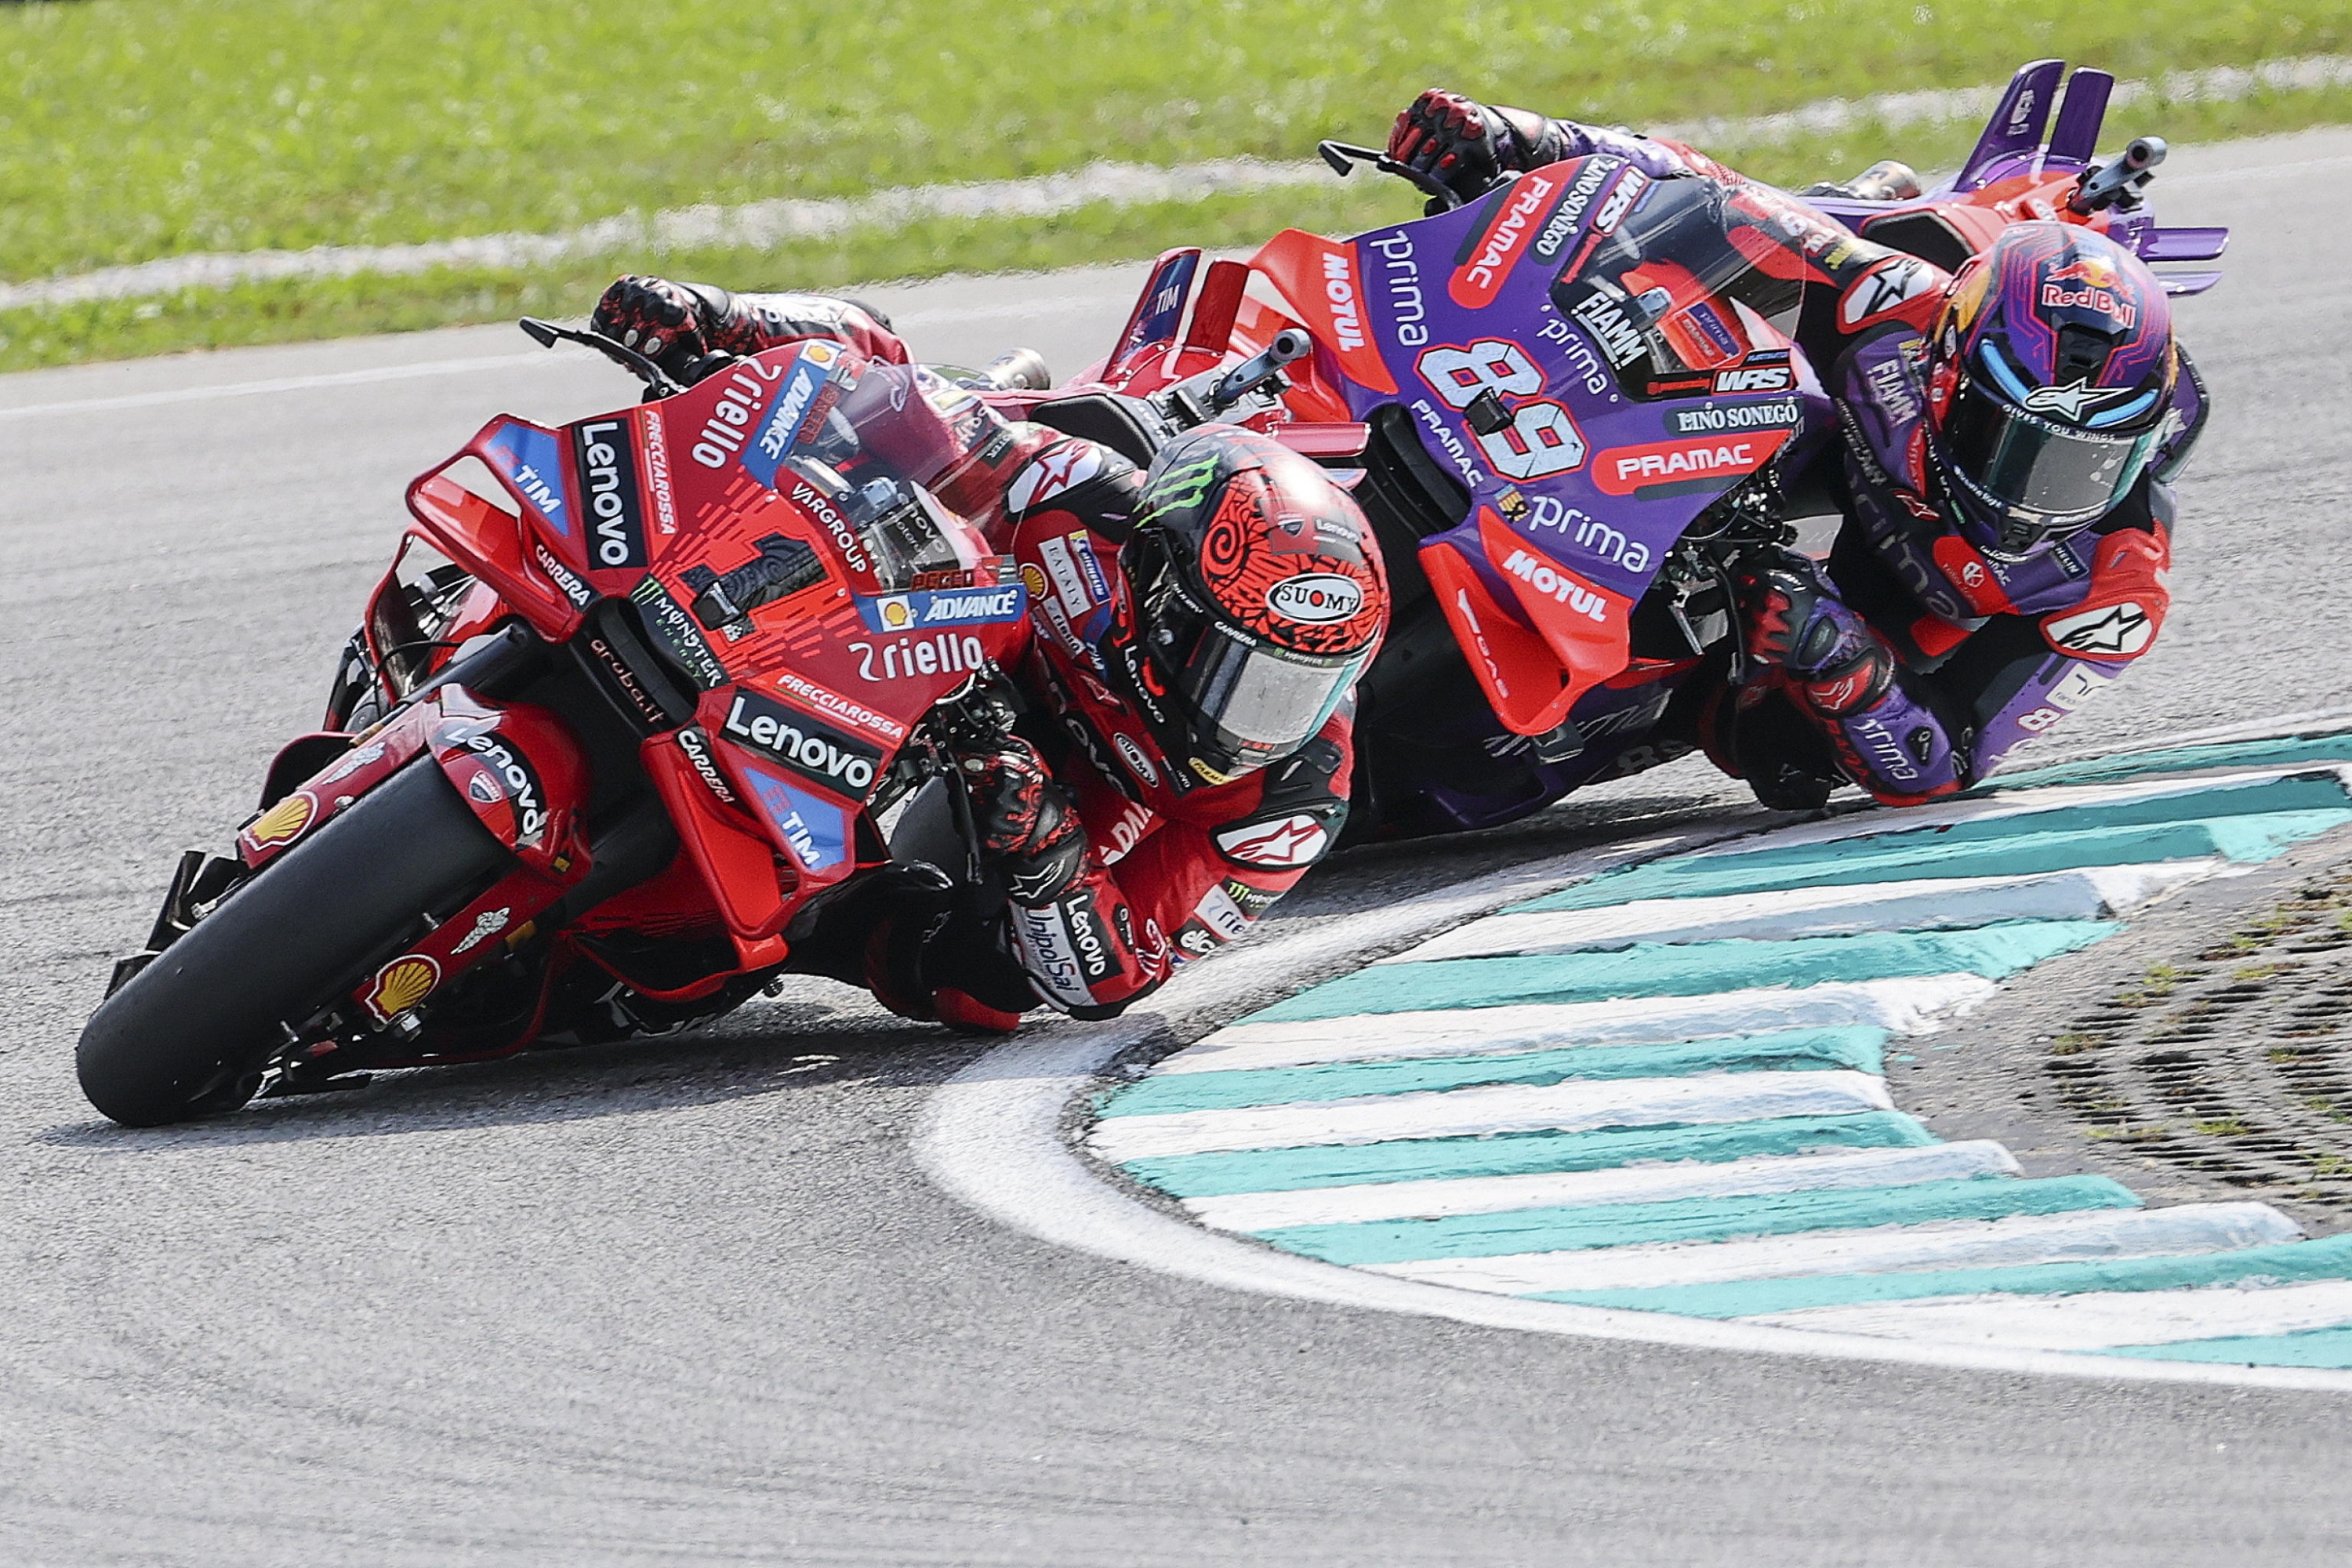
[
  {"x": 668, "y": 322},
  {"x": 1465, "y": 144}
]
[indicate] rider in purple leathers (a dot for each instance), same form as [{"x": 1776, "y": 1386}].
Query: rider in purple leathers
[{"x": 2010, "y": 434}]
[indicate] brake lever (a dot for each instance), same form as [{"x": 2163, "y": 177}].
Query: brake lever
[
  {"x": 547, "y": 334},
  {"x": 1343, "y": 156}
]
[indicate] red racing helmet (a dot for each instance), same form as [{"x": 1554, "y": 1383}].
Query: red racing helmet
[{"x": 1258, "y": 598}]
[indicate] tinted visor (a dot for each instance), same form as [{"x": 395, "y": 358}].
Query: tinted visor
[
  {"x": 2032, "y": 470},
  {"x": 1258, "y": 703}
]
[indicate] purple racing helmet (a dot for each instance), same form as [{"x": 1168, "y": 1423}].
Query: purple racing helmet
[{"x": 2049, "y": 376}]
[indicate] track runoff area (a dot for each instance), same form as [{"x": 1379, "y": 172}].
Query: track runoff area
[{"x": 1648, "y": 1101}]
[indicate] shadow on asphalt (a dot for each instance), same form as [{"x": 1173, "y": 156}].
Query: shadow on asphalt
[
  {"x": 821, "y": 1034},
  {"x": 765, "y": 1049}
]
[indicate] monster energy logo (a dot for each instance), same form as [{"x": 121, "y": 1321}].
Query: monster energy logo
[{"x": 1179, "y": 488}]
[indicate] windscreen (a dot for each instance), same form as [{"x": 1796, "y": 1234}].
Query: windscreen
[{"x": 870, "y": 461}]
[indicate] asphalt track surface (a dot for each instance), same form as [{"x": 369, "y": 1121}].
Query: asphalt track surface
[{"x": 692, "y": 1301}]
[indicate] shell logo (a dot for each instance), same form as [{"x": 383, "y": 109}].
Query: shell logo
[
  {"x": 400, "y": 986},
  {"x": 282, "y": 822},
  {"x": 897, "y": 614}
]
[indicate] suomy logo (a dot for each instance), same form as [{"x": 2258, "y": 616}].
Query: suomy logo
[{"x": 1315, "y": 598}]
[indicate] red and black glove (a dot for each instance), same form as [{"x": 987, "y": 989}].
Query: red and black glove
[
  {"x": 668, "y": 322},
  {"x": 1463, "y": 142},
  {"x": 1027, "y": 827},
  {"x": 1779, "y": 600}
]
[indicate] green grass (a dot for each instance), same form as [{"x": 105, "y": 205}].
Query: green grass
[{"x": 134, "y": 128}]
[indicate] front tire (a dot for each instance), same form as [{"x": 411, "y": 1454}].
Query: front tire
[{"x": 190, "y": 1034}]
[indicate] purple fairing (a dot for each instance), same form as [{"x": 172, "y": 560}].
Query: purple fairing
[{"x": 1640, "y": 444}]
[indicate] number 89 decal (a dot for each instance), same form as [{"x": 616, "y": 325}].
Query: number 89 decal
[{"x": 1540, "y": 439}]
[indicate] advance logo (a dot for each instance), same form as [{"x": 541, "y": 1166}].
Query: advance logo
[
  {"x": 944, "y": 607},
  {"x": 816, "y": 751}
]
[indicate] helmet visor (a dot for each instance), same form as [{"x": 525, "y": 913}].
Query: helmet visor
[
  {"x": 1259, "y": 703},
  {"x": 2032, "y": 470}
]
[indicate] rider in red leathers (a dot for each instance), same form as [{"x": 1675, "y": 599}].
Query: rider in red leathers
[{"x": 1172, "y": 751}]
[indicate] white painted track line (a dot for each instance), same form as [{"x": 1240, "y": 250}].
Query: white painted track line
[
  {"x": 1573, "y": 1107},
  {"x": 1618, "y": 1184},
  {"x": 2094, "y": 1320},
  {"x": 1912, "y": 1006},
  {"x": 1961, "y": 1243},
  {"x": 1926, "y": 904}
]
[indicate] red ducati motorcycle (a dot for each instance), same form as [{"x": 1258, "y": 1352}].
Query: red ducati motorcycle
[{"x": 642, "y": 700}]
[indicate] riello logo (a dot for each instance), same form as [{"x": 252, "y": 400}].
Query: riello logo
[{"x": 1477, "y": 280}]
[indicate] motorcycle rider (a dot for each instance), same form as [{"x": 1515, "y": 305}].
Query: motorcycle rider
[
  {"x": 1171, "y": 752},
  {"x": 2009, "y": 436}
]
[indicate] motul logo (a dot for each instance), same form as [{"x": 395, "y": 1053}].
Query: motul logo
[
  {"x": 1339, "y": 289},
  {"x": 1479, "y": 279},
  {"x": 1555, "y": 585}
]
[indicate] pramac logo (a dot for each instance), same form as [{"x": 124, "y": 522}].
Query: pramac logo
[{"x": 1481, "y": 276}]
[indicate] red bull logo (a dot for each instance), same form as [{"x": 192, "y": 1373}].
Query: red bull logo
[
  {"x": 2097, "y": 284},
  {"x": 2095, "y": 270}
]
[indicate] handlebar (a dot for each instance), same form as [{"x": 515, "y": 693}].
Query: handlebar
[{"x": 2120, "y": 182}]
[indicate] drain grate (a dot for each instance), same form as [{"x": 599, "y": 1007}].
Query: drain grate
[{"x": 2235, "y": 1061}]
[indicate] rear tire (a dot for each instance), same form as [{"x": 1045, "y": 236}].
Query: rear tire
[{"x": 190, "y": 1034}]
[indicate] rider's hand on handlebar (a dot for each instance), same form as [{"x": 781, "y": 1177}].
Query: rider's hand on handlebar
[
  {"x": 661, "y": 320},
  {"x": 1461, "y": 142},
  {"x": 1778, "y": 594},
  {"x": 1026, "y": 823}
]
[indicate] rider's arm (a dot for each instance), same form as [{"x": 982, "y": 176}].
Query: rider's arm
[
  {"x": 680, "y": 323},
  {"x": 1093, "y": 937},
  {"x": 2036, "y": 670}
]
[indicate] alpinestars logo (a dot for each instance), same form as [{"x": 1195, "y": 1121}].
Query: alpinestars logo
[
  {"x": 2073, "y": 400},
  {"x": 1060, "y": 469},
  {"x": 2112, "y": 631},
  {"x": 1883, "y": 290},
  {"x": 1298, "y": 839}
]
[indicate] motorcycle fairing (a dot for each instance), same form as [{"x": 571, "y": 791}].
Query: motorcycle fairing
[{"x": 1581, "y": 473}]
